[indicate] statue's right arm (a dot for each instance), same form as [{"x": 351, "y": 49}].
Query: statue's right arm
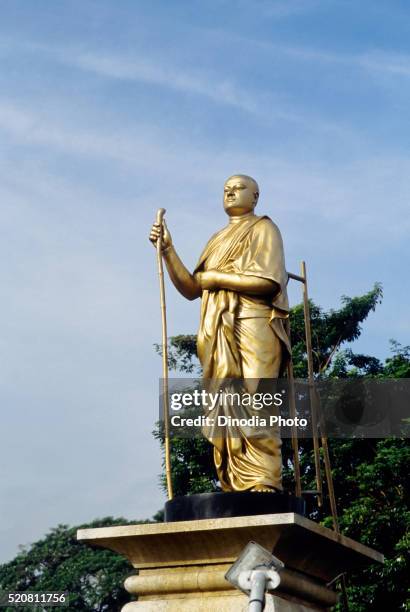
[{"x": 183, "y": 280}]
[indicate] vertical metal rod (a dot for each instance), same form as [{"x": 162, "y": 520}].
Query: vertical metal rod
[
  {"x": 309, "y": 354},
  {"x": 160, "y": 216},
  {"x": 324, "y": 441},
  {"x": 330, "y": 487},
  {"x": 343, "y": 586},
  {"x": 292, "y": 406},
  {"x": 333, "y": 507},
  {"x": 295, "y": 442}
]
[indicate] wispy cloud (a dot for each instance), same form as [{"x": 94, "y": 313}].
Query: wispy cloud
[
  {"x": 172, "y": 77},
  {"x": 266, "y": 106},
  {"x": 68, "y": 136},
  {"x": 224, "y": 92},
  {"x": 370, "y": 60},
  {"x": 349, "y": 189},
  {"x": 390, "y": 63},
  {"x": 276, "y": 9},
  {"x": 144, "y": 70}
]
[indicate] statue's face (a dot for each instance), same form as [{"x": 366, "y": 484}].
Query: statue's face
[{"x": 239, "y": 195}]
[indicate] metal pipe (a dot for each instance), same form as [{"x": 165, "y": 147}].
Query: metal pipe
[
  {"x": 309, "y": 355},
  {"x": 295, "y": 441},
  {"x": 296, "y": 277},
  {"x": 257, "y": 594}
]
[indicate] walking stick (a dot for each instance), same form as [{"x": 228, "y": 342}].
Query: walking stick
[{"x": 160, "y": 216}]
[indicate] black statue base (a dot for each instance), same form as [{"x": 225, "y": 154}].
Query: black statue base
[{"x": 222, "y": 505}]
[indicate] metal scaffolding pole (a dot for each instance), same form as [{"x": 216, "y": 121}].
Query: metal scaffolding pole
[{"x": 314, "y": 403}]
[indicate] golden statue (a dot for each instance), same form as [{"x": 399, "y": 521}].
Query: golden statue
[{"x": 241, "y": 278}]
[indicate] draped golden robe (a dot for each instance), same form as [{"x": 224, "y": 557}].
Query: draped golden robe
[{"x": 243, "y": 336}]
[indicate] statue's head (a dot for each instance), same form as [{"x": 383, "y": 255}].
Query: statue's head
[{"x": 241, "y": 194}]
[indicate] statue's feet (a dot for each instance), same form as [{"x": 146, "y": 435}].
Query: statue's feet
[{"x": 263, "y": 489}]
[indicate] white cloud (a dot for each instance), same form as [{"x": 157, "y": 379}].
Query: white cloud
[
  {"x": 29, "y": 127},
  {"x": 137, "y": 69},
  {"x": 142, "y": 69},
  {"x": 165, "y": 74},
  {"x": 369, "y": 60},
  {"x": 391, "y": 63},
  {"x": 276, "y": 9},
  {"x": 333, "y": 190}
]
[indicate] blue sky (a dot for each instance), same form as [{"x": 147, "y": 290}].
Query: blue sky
[{"x": 109, "y": 110}]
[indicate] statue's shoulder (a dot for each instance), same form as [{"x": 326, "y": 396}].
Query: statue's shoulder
[{"x": 266, "y": 225}]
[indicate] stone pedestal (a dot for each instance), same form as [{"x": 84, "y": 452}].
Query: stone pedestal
[{"x": 181, "y": 566}]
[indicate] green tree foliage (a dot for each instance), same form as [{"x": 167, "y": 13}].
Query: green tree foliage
[
  {"x": 191, "y": 465},
  {"x": 93, "y": 576},
  {"x": 398, "y": 366},
  {"x": 370, "y": 476},
  {"x": 330, "y": 330},
  {"x": 372, "y": 495}
]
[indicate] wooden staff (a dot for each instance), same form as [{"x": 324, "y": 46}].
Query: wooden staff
[{"x": 160, "y": 215}]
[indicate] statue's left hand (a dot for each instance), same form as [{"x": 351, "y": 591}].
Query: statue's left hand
[{"x": 207, "y": 280}]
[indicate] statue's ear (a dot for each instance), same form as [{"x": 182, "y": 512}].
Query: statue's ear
[{"x": 256, "y": 196}]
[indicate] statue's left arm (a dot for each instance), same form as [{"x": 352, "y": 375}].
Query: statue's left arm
[{"x": 242, "y": 283}]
